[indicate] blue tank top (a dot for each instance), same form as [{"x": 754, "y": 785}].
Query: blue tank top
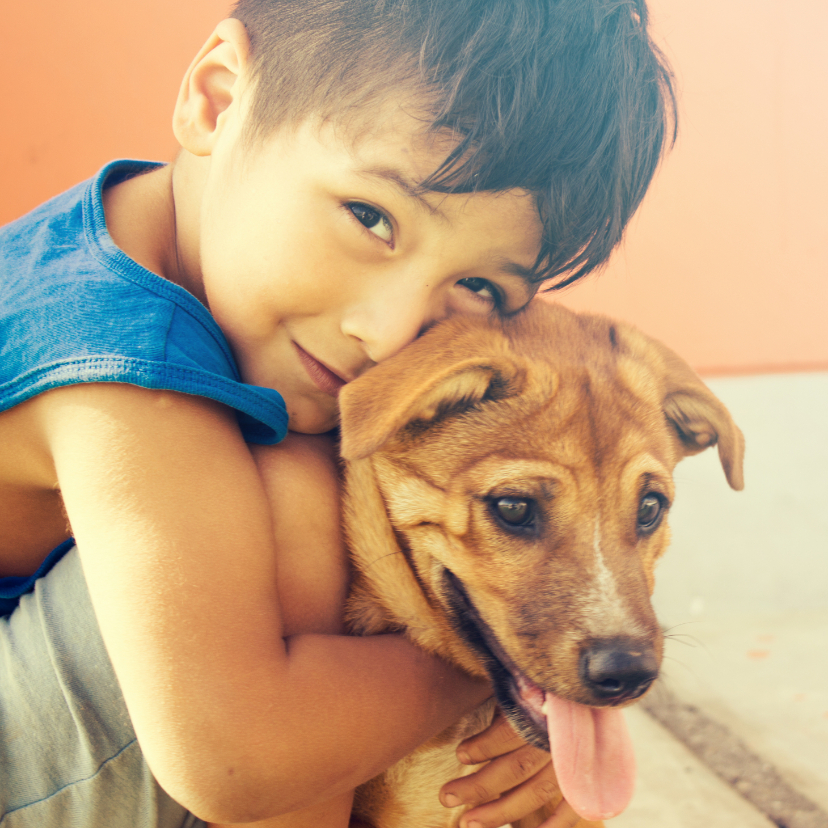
[{"x": 75, "y": 308}]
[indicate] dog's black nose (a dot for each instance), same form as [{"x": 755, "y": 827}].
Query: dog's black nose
[{"x": 618, "y": 668}]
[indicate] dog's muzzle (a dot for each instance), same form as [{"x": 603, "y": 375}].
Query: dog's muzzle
[{"x": 612, "y": 670}]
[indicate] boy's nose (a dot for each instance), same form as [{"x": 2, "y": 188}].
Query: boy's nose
[{"x": 385, "y": 327}]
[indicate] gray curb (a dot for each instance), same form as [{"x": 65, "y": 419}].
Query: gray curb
[{"x": 727, "y": 756}]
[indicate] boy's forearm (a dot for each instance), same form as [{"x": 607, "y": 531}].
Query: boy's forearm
[
  {"x": 376, "y": 699},
  {"x": 362, "y": 704}
]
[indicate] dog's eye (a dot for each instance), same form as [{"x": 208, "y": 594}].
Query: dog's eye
[
  {"x": 515, "y": 511},
  {"x": 650, "y": 510}
]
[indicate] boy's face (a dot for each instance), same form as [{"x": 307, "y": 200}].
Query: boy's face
[{"x": 318, "y": 257}]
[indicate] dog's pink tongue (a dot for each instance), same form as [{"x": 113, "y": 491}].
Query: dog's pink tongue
[{"x": 593, "y": 757}]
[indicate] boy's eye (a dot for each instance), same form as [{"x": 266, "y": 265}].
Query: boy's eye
[
  {"x": 373, "y": 220},
  {"x": 482, "y": 287}
]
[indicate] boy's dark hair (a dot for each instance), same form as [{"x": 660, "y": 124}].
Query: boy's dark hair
[{"x": 568, "y": 99}]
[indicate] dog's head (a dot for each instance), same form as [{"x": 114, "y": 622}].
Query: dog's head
[{"x": 526, "y": 469}]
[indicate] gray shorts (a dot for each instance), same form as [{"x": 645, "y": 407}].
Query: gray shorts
[{"x": 68, "y": 754}]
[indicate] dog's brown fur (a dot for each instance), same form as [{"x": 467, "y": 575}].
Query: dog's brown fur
[{"x": 577, "y": 414}]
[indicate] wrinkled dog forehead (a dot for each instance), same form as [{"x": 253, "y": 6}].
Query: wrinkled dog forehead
[
  {"x": 575, "y": 441},
  {"x": 544, "y": 370}
]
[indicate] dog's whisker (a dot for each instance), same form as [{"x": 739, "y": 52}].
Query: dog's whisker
[
  {"x": 667, "y": 630},
  {"x": 382, "y": 558},
  {"x": 665, "y": 680},
  {"x": 675, "y": 660},
  {"x": 686, "y": 639}
]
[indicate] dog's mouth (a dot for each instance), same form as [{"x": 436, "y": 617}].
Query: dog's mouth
[
  {"x": 520, "y": 699},
  {"x": 591, "y": 749}
]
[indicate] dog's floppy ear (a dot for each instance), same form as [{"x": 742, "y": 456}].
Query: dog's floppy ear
[
  {"x": 700, "y": 419},
  {"x": 392, "y": 395}
]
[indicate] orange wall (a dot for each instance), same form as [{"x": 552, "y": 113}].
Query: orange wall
[
  {"x": 727, "y": 260},
  {"x": 83, "y": 83}
]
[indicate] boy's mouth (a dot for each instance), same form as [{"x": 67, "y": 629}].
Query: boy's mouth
[{"x": 323, "y": 378}]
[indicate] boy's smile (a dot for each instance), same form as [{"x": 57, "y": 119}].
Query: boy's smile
[{"x": 318, "y": 256}]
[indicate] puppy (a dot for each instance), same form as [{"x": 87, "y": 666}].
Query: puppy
[{"x": 507, "y": 488}]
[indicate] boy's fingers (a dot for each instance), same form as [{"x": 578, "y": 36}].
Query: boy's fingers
[
  {"x": 498, "y": 738},
  {"x": 564, "y": 817},
  {"x": 502, "y": 774},
  {"x": 519, "y": 802}
]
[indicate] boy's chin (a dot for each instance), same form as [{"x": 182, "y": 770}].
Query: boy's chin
[{"x": 307, "y": 421}]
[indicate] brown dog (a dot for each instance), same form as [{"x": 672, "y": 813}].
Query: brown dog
[{"x": 507, "y": 486}]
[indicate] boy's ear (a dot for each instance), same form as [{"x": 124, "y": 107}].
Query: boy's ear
[{"x": 210, "y": 86}]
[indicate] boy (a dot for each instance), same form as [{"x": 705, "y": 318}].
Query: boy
[{"x": 351, "y": 173}]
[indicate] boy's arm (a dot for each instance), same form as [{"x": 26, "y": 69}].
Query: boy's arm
[
  {"x": 299, "y": 474},
  {"x": 173, "y": 526}
]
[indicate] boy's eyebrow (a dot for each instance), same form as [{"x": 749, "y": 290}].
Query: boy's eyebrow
[
  {"x": 408, "y": 187},
  {"x": 528, "y": 275}
]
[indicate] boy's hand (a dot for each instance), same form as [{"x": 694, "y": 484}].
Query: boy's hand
[{"x": 517, "y": 780}]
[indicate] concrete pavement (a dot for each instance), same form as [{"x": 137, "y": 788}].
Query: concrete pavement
[
  {"x": 676, "y": 789},
  {"x": 737, "y": 736}
]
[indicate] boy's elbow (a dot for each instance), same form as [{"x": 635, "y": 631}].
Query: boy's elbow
[
  {"x": 226, "y": 786},
  {"x": 223, "y": 802}
]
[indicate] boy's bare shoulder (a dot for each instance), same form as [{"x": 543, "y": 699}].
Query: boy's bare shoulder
[{"x": 140, "y": 218}]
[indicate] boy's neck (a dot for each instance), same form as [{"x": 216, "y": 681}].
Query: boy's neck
[{"x": 150, "y": 217}]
